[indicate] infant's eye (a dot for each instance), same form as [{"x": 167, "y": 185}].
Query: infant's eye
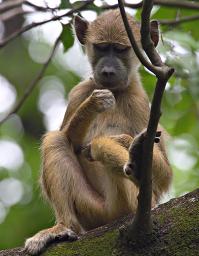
[{"x": 102, "y": 47}]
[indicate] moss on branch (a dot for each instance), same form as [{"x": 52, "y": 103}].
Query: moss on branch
[{"x": 176, "y": 233}]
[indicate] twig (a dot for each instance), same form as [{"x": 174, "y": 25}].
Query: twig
[
  {"x": 178, "y": 3},
  {"x": 36, "y": 24},
  {"x": 179, "y": 20},
  {"x": 142, "y": 224},
  {"x": 10, "y": 5},
  {"x": 40, "y": 8},
  {"x": 170, "y": 3},
  {"x": 33, "y": 83},
  {"x": 28, "y": 27}
]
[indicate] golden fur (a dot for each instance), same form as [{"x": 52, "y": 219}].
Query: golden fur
[
  {"x": 86, "y": 194},
  {"x": 104, "y": 32}
]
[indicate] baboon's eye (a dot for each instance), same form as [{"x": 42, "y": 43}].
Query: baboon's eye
[
  {"x": 102, "y": 47},
  {"x": 119, "y": 48}
]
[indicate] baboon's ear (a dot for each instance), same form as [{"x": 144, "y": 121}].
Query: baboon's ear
[
  {"x": 81, "y": 26},
  {"x": 155, "y": 32}
]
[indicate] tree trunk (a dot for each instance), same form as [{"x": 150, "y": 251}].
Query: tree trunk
[{"x": 175, "y": 232}]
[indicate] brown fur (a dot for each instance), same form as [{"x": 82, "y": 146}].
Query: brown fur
[
  {"x": 101, "y": 30},
  {"x": 86, "y": 194}
]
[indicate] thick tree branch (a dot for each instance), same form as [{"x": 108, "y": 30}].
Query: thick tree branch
[
  {"x": 142, "y": 222},
  {"x": 177, "y": 222},
  {"x": 36, "y": 24},
  {"x": 171, "y": 3},
  {"x": 33, "y": 83}
]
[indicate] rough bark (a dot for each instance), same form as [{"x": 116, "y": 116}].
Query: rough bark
[{"x": 176, "y": 233}]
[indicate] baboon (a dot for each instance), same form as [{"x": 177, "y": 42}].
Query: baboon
[{"x": 83, "y": 174}]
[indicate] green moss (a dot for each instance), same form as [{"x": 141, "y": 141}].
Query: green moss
[
  {"x": 176, "y": 233},
  {"x": 179, "y": 228},
  {"x": 97, "y": 246}
]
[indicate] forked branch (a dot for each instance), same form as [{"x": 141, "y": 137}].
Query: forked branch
[{"x": 142, "y": 224}]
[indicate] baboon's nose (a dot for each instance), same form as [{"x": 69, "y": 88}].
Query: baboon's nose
[{"x": 108, "y": 72}]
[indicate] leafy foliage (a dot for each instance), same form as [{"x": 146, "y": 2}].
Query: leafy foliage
[
  {"x": 67, "y": 37},
  {"x": 65, "y": 4}
]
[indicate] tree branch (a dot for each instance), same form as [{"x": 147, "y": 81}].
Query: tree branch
[
  {"x": 178, "y": 3},
  {"x": 142, "y": 224},
  {"x": 147, "y": 43},
  {"x": 40, "y": 8},
  {"x": 179, "y": 20},
  {"x": 10, "y": 5},
  {"x": 171, "y": 3},
  {"x": 33, "y": 83},
  {"x": 177, "y": 222},
  {"x": 36, "y": 24}
]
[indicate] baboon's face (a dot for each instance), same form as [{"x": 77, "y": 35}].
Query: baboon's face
[
  {"x": 111, "y": 64},
  {"x": 107, "y": 45},
  {"x": 108, "y": 48}
]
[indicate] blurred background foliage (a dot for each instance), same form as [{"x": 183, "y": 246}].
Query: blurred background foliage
[{"x": 22, "y": 210}]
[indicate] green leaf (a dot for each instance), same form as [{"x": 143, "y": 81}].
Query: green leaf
[
  {"x": 67, "y": 37},
  {"x": 65, "y": 4},
  {"x": 77, "y": 4},
  {"x": 91, "y": 6}
]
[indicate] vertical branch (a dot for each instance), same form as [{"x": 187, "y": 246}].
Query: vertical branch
[
  {"x": 142, "y": 224},
  {"x": 133, "y": 42},
  {"x": 147, "y": 43}
]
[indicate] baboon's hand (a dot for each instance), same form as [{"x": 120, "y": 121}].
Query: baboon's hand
[
  {"x": 133, "y": 166},
  {"x": 102, "y": 100}
]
